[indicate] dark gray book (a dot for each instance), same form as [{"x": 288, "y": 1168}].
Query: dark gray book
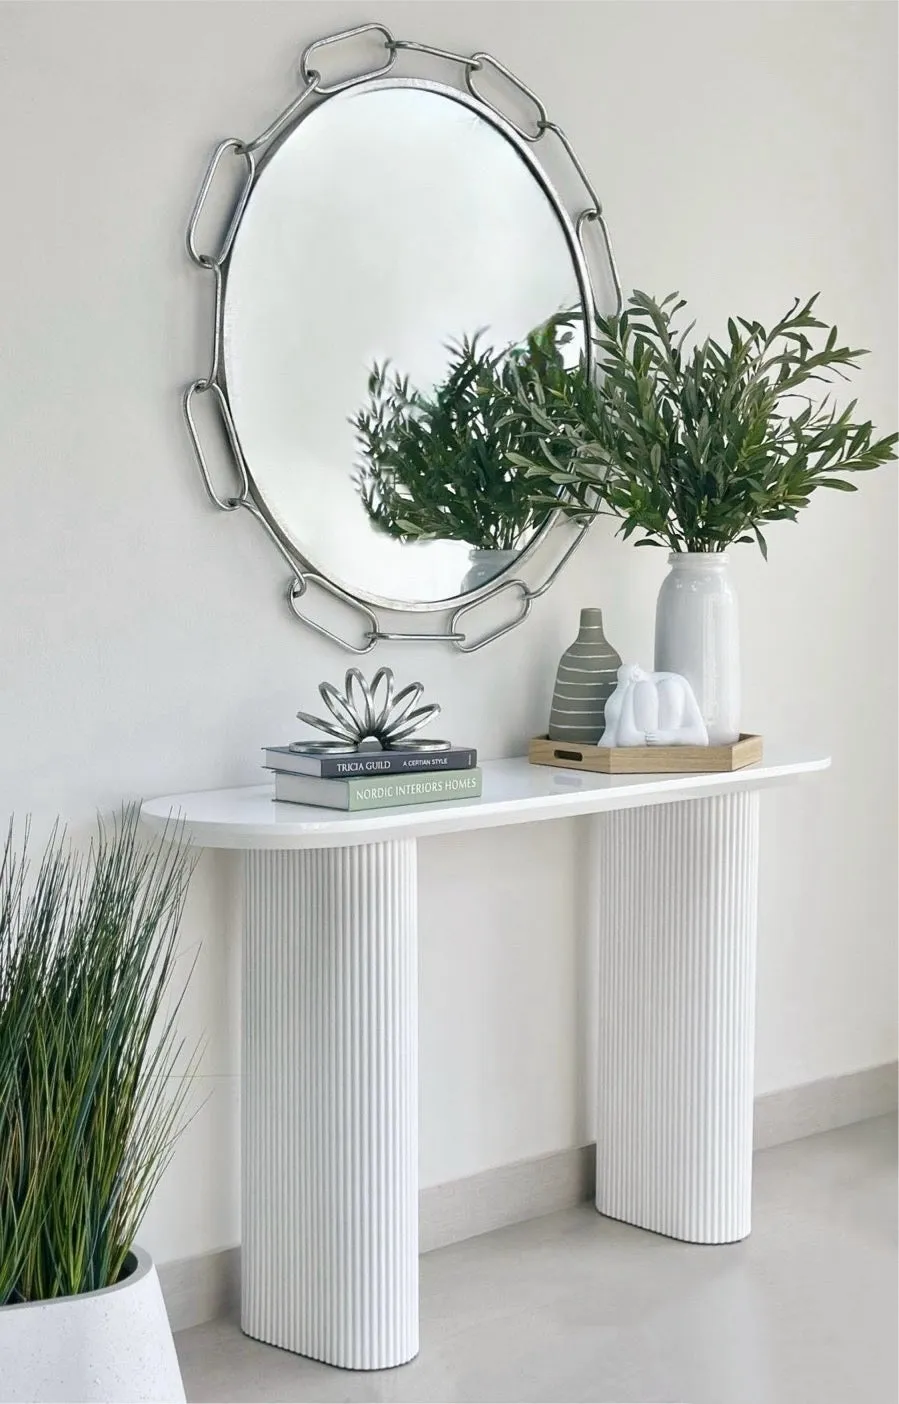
[{"x": 369, "y": 762}]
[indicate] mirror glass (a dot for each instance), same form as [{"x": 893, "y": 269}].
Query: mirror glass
[{"x": 395, "y": 239}]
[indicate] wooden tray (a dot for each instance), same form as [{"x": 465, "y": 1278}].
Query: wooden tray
[{"x": 646, "y": 760}]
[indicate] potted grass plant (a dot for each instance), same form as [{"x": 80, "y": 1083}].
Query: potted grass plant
[
  {"x": 696, "y": 447},
  {"x": 89, "y": 1113},
  {"x": 439, "y": 466}
]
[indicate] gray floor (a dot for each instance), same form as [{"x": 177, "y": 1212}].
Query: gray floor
[{"x": 575, "y": 1307}]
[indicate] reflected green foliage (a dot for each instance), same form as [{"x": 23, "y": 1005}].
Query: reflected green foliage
[
  {"x": 88, "y": 1114},
  {"x": 442, "y": 465},
  {"x": 696, "y": 449}
]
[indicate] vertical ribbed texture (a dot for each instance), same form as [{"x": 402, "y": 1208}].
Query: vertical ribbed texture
[
  {"x": 330, "y": 1104},
  {"x": 676, "y": 902}
]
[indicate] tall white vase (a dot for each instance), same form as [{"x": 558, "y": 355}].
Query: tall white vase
[{"x": 697, "y": 635}]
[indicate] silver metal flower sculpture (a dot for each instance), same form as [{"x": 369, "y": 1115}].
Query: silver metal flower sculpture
[{"x": 372, "y": 711}]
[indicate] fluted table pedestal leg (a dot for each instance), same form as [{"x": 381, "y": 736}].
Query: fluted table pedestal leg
[
  {"x": 677, "y": 897},
  {"x": 330, "y": 1092}
]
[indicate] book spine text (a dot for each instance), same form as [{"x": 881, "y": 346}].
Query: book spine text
[{"x": 417, "y": 789}]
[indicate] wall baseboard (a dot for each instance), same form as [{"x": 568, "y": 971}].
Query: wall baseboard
[
  {"x": 508, "y": 1194},
  {"x": 202, "y": 1288},
  {"x": 825, "y": 1105}
]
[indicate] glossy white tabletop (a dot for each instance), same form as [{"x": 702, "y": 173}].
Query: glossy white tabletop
[{"x": 515, "y": 792}]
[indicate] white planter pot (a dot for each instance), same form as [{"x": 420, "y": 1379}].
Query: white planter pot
[
  {"x": 485, "y": 566},
  {"x": 697, "y": 636},
  {"x": 109, "y": 1347}
]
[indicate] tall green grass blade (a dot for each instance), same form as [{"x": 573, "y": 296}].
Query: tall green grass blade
[{"x": 91, "y": 1100}]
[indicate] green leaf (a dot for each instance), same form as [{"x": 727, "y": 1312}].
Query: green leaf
[{"x": 689, "y": 450}]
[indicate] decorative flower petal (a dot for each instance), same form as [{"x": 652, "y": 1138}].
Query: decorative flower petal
[
  {"x": 340, "y": 710},
  {"x": 320, "y": 724},
  {"x": 385, "y": 676},
  {"x": 403, "y": 703},
  {"x": 363, "y": 711},
  {"x": 413, "y": 722}
]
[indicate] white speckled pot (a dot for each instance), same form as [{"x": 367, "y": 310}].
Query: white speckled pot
[{"x": 109, "y": 1347}]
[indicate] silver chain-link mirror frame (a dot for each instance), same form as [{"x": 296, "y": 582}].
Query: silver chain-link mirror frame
[{"x": 313, "y": 92}]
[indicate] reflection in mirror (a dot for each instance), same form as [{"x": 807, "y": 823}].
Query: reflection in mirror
[
  {"x": 440, "y": 466},
  {"x": 399, "y": 256}
]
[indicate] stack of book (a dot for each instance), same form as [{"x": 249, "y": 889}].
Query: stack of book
[{"x": 374, "y": 779}]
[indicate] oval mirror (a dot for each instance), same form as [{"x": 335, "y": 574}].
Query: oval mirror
[{"x": 398, "y": 236}]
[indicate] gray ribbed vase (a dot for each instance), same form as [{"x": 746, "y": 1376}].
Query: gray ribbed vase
[{"x": 588, "y": 673}]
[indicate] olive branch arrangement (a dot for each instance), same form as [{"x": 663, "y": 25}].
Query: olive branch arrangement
[
  {"x": 694, "y": 449},
  {"x": 442, "y": 465}
]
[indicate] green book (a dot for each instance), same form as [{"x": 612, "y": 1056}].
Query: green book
[{"x": 378, "y": 791}]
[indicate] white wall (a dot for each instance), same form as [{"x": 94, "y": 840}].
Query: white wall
[{"x": 745, "y": 152}]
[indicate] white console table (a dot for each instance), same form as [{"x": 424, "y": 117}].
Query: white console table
[{"x": 330, "y": 1037}]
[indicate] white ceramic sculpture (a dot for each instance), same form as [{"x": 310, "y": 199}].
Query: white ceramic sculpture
[{"x": 653, "y": 709}]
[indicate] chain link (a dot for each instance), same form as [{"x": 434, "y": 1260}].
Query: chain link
[
  {"x": 284, "y": 117},
  {"x": 595, "y": 217},
  {"x": 229, "y": 144},
  {"x": 410, "y": 46},
  {"x": 527, "y": 596},
  {"x": 314, "y": 89},
  {"x": 216, "y": 365},
  {"x": 307, "y": 74},
  {"x": 204, "y": 387},
  {"x": 592, "y": 214},
  {"x": 542, "y": 115},
  {"x": 298, "y": 588}
]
